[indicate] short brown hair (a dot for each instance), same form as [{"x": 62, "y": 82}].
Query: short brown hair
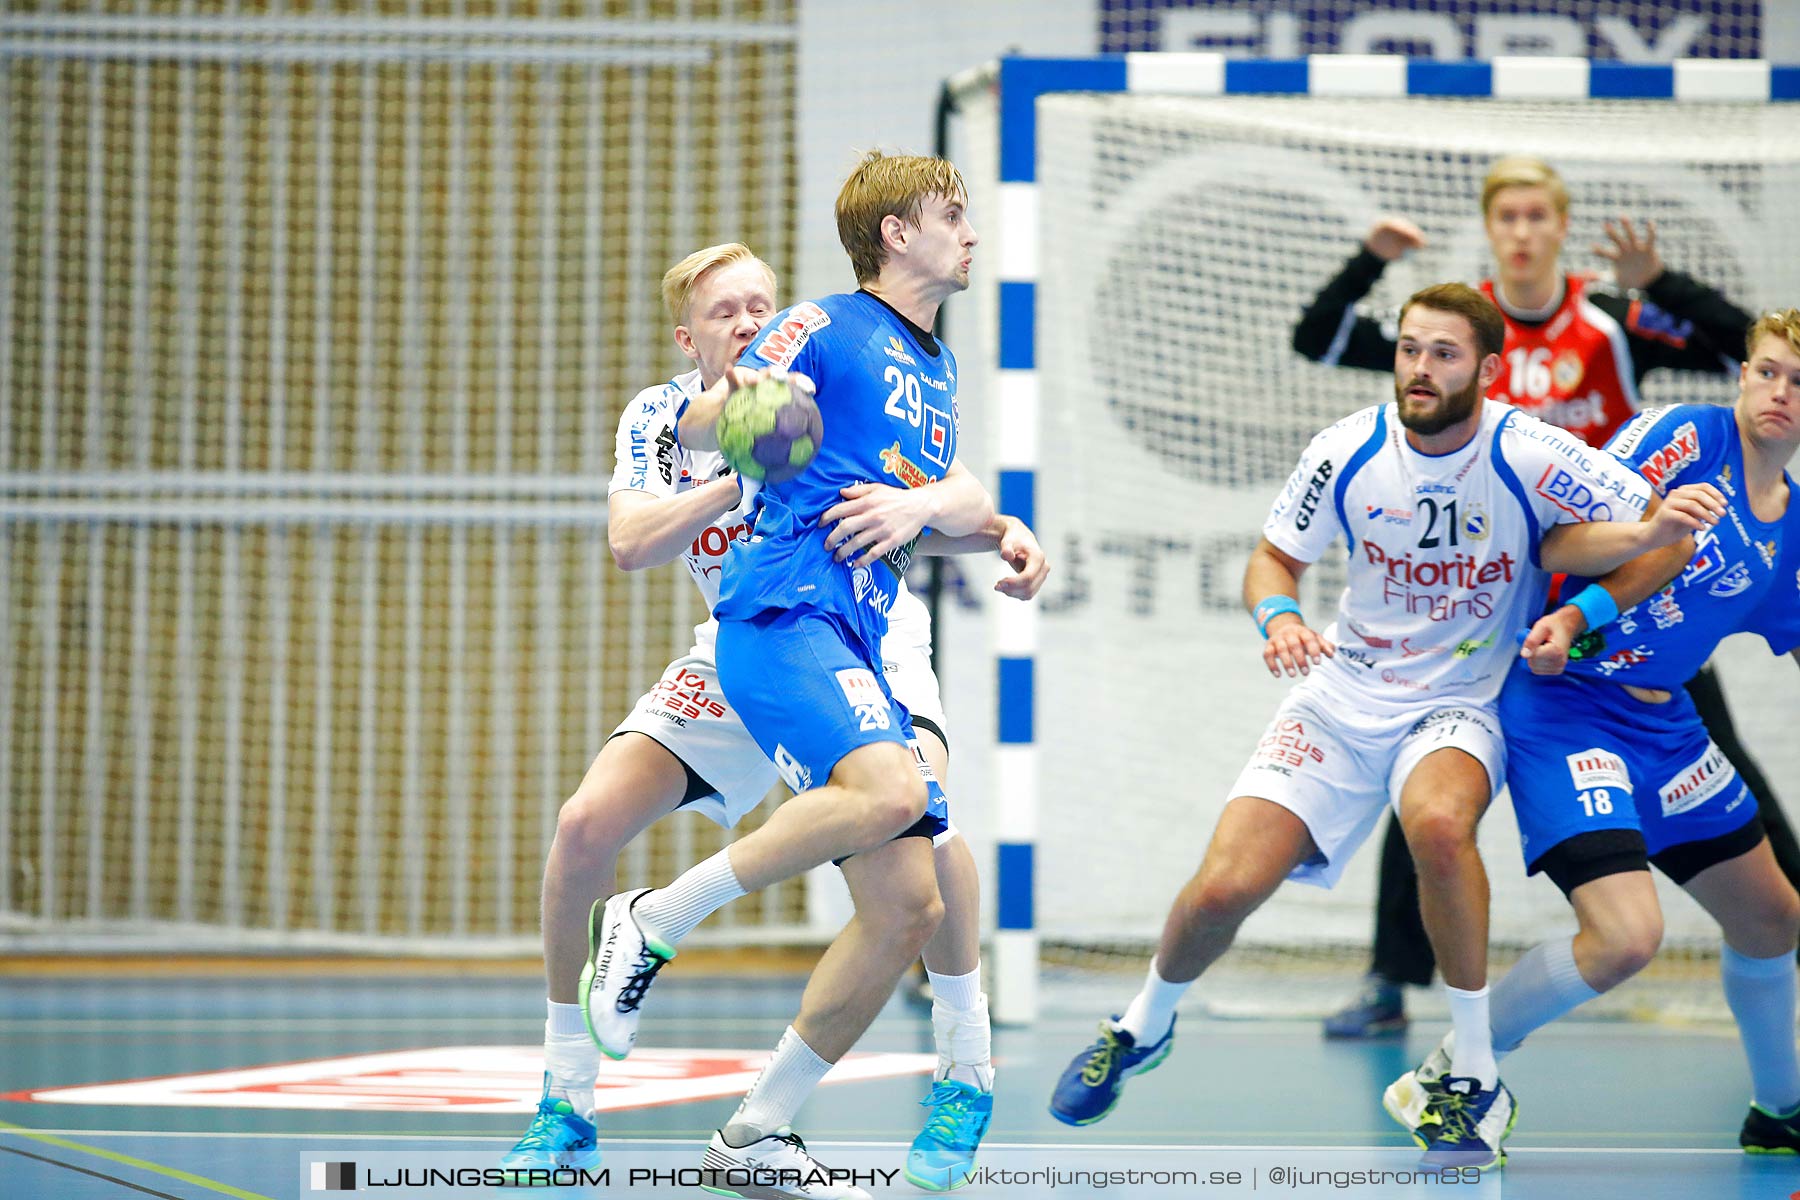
[
  {"x": 889, "y": 185},
  {"x": 680, "y": 280},
  {"x": 1471, "y": 305},
  {"x": 1784, "y": 323},
  {"x": 1521, "y": 170}
]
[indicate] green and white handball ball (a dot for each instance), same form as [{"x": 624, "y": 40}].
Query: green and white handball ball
[{"x": 770, "y": 431}]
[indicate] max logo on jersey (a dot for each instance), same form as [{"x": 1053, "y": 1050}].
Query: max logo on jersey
[
  {"x": 1682, "y": 449},
  {"x": 783, "y": 346}
]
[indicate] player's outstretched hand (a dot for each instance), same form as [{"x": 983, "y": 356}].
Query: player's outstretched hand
[
  {"x": 1019, "y": 547},
  {"x": 873, "y": 520},
  {"x": 1293, "y": 647},
  {"x": 1636, "y": 264},
  {"x": 735, "y": 377},
  {"x": 1391, "y": 237},
  {"x": 1546, "y": 647},
  {"x": 1688, "y": 509}
]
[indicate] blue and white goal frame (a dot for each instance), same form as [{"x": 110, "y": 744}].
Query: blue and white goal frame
[{"x": 1021, "y": 82}]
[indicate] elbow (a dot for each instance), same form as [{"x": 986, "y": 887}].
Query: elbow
[{"x": 627, "y": 553}]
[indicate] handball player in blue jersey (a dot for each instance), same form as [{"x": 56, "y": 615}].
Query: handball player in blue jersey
[
  {"x": 1612, "y": 771},
  {"x": 803, "y": 605}
]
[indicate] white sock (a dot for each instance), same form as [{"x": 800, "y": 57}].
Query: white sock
[
  {"x": 565, "y": 1019},
  {"x": 571, "y": 1067},
  {"x": 1542, "y": 986},
  {"x": 1472, "y": 1055},
  {"x": 1152, "y": 1010},
  {"x": 702, "y": 890},
  {"x": 790, "y": 1076},
  {"x": 957, "y": 992},
  {"x": 1760, "y": 992},
  {"x": 964, "y": 1042}
]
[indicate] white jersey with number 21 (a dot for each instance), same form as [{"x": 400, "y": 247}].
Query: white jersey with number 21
[{"x": 1443, "y": 571}]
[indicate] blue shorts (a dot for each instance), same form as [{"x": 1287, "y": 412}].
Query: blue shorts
[
  {"x": 1584, "y": 755},
  {"x": 809, "y": 694}
]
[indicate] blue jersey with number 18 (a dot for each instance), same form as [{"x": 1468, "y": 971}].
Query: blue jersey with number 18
[{"x": 890, "y": 417}]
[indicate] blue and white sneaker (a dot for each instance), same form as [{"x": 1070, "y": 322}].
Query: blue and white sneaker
[
  {"x": 1411, "y": 1096},
  {"x": 557, "y": 1139},
  {"x": 1091, "y": 1084},
  {"x": 943, "y": 1155},
  {"x": 1378, "y": 1010},
  {"x": 1466, "y": 1125}
]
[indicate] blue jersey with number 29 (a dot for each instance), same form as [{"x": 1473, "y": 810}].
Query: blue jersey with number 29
[{"x": 890, "y": 417}]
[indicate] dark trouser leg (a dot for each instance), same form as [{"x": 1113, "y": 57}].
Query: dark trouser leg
[
  {"x": 1709, "y": 698},
  {"x": 1402, "y": 951}
]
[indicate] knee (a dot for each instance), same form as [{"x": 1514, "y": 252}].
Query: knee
[
  {"x": 1439, "y": 837},
  {"x": 891, "y": 805},
  {"x": 587, "y": 827},
  {"x": 1772, "y": 927},
  {"x": 1785, "y": 919},
  {"x": 1623, "y": 947},
  {"x": 1219, "y": 898},
  {"x": 907, "y": 921}
]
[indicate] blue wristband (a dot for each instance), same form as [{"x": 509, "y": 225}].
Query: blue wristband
[
  {"x": 1596, "y": 604},
  {"x": 1267, "y": 610}
]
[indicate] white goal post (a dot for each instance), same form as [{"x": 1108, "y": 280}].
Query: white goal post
[{"x": 1158, "y": 220}]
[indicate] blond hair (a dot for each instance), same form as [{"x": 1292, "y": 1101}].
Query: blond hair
[
  {"x": 1521, "y": 170},
  {"x": 680, "y": 281},
  {"x": 889, "y": 185},
  {"x": 1783, "y": 323}
]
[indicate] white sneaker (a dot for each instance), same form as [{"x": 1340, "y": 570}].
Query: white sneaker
[
  {"x": 623, "y": 959},
  {"x": 774, "y": 1167},
  {"x": 1407, "y": 1098}
]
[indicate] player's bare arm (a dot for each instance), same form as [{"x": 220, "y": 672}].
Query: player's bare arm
[
  {"x": 874, "y": 519},
  {"x": 698, "y": 428},
  {"x": 1017, "y": 545},
  {"x": 1292, "y": 646},
  {"x": 1593, "y": 548},
  {"x": 1547, "y": 644},
  {"x": 643, "y": 530}
]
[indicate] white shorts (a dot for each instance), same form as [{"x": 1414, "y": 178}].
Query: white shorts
[
  {"x": 687, "y": 713},
  {"x": 1337, "y": 769}
]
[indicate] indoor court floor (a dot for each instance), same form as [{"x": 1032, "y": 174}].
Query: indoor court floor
[{"x": 236, "y": 1086}]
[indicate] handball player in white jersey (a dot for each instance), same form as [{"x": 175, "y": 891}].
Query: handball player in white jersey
[
  {"x": 1455, "y": 509},
  {"x": 682, "y": 746}
]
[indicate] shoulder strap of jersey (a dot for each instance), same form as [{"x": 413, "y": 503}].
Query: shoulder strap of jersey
[
  {"x": 1371, "y": 445},
  {"x": 1510, "y": 478}
]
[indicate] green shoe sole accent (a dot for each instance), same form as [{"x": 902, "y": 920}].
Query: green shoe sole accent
[{"x": 1787, "y": 1150}]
